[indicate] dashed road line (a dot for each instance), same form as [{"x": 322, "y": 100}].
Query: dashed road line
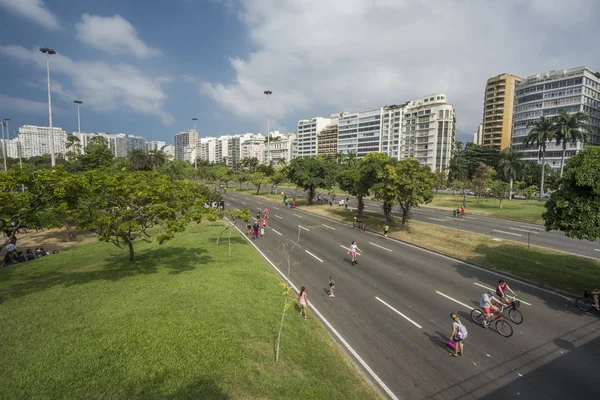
[
  {"x": 313, "y": 255},
  {"x": 470, "y": 217},
  {"x": 328, "y": 227},
  {"x": 277, "y": 216},
  {"x": 299, "y": 216},
  {"x": 399, "y": 313},
  {"x": 301, "y": 227},
  {"x": 522, "y": 230},
  {"x": 277, "y": 208},
  {"x": 489, "y": 288},
  {"x": 437, "y": 219},
  {"x": 454, "y": 300},
  {"x": 276, "y": 231},
  {"x": 597, "y": 249},
  {"x": 344, "y": 247},
  {"x": 381, "y": 247},
  {"x": 243, "y": 202},
  {"x": 507, "y": 233}
]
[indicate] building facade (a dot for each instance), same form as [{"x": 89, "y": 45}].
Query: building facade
[
  {"x": 252, "y": 146},
  {"x": 428, "y": 131},
  {"x": 327, "y": 140},
  {"x": 498, "y": 106},
  {"x": 478, "y": 135},
  {"x": 547, "y": 94},
  {"x": 308, "y": 129},
  {"x": 184, "y": 139},
  {"x": 283, "y": 149},
  {"x": 155, "y": 145},
  {"x": 35, "y": 141}
]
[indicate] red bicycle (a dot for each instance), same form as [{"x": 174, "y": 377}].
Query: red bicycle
[{"x": 503, "y": 327}]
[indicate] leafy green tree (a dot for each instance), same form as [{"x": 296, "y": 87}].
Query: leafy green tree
[
  {"x": 249, "y": 163},
  {"x": 177, "y": 170},
  {"x": 97, "y": 154},
  {"x": 482, "y": 179},
  {"x": 511, "y": 167},
  {"x": 530, "y": 191},
  {"x": 311, "y": 173},
  {"x": 543, "y": 130},
  {"x": 138, "y": 160},
  {"x": 240, "y": 177},
  {"x": 381, "y": 170},
  {"x": 259, "y": 179},
  {"x": 457, "y": 170},
  {"x": 499, "y": 190},
  {"x": 414, "y": 185},
  {"x": 570, "y": 127},
  {"x": 156, "y": 159},
  {"x": 121, "y": 208},
  {"x": 474, "y": 155},
  {"x": 355, "y": 179},
  {"x": 441, "y": 180},
  {"x": 278, "y": 177},
  {"x": 574, "y": 208}
]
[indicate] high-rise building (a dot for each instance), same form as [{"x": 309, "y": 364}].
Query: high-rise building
[
  {"x": 308, "y": 129},
  {"x": 478, "y": 135},
  {"x": 155, "y": 145},
  {"x": 428, "y": 131},
  {"x": 327, "y": 140},
  {"x": 253, "y": 146},
  {"x": 547, "y": 94},
  {"x": 283, "y": 149},
  {"x": 169, "y": 150},
  {"x": 35, "y": 140},
  {"x": 498, "y": 105},
  {"x": 185, "y": 139}
]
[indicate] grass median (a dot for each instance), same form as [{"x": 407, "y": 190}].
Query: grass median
[{"x": 183, "y": 321}]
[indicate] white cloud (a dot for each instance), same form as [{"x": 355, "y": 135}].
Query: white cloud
[
  {"x": 113, "y": 35},
  {"x": 11, "y": 103},
  {"x": 326, "y": 56},
  {"x": 100, "y": 85},
  {"x": 34, "y": 10}
]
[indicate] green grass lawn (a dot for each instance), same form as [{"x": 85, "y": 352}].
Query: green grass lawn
[
  {"x": 180, "y": 322},
  {"x": 518, "y": 210}
]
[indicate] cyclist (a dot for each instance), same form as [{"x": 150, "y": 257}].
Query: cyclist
[
  {"x": 595, "y": 294},
  {"x": 487, "y": 307},
  {"x": 266, "y": 212},
  {"x": 501, "y": 289}
]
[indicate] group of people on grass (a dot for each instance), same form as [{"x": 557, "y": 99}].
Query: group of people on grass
[
  {"x": 13, "y": 256},
  {"x": 287, "y": 201}
]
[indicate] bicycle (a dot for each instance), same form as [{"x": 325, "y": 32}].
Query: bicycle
[
  {"x": 513, "y": 313},
  {"x": 586, "y": 303},
  {"x": 503, "y": 327}
]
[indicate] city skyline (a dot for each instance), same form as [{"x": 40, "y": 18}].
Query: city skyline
[{"x": 135, "y": 79}]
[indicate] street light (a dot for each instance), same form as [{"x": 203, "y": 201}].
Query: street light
[
  {"x": 268, "y": 93},
  {"x": 194, "y": 119},
  {"x": 78, "y": 102},
  {"x": 48, "y": 52},
  {"x": 3, "y": 124}
]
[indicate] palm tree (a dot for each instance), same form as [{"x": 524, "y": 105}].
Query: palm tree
[
  {"x": 543, "y": 130},
  {"x": 570, "y": 128},
  {"x": 511, "y": 166}
]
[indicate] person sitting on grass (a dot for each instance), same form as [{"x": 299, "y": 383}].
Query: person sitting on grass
[
  {"x": 21, "y": 257},
  {"x": 293, "y": 203},
  {"x": 29, "y": 255}
]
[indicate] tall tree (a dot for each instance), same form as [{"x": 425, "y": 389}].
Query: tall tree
[
  {"x": 570, "y": 127},
  {"x": 97, "y": 154},
  {"x": 499, "y": 190},
  {"x": 543, "y": 130},
  {"x": 381, "y": 170},
  {"x": 511, "y": 167},
  {"x": 311, "y": 173},
  {"x": 259, "y": 179},
  {"x": 482, "y": 179},
  {"x": 574, "y": 208},
  {"x": 138, "y": 160},
  {"x": 355, "y": 179},
  {"x": 414, "y": 186}
]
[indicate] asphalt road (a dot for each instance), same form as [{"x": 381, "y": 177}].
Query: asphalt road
[
  {"x": 502, "y": 229},
  {"x": 392, "y": 309}
]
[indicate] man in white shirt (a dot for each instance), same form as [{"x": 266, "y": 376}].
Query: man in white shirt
[{"x": 487, "y": 306}]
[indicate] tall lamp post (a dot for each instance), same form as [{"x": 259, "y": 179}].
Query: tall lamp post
[
  {"x": 268, "y": 93},
  {"x": 194, "y": 119},
  {"x": 48, "y": 52},
  {"x": 78, "y": 102},
  {"x": 3, "y": 124}
]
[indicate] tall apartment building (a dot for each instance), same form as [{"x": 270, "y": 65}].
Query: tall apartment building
[
  {"x": 478, "y": 135},
  {"x": 308, "y": 129},
  {"x": 498, "y": 108},
  {"x": 428, "y": 131},
  {"x": 327, "y": 140},
  {"x": 120, "y": 144},
  {"x": 208, "y": 149},
  {"x": 282, "y": 149},
  {"x": 155, "y": 145},
  {"x": 35, "y": 140},
  {"x": 253, "y": 146},
  {"x": 169, "y": 150},
  {"x": 184, "y": 139},
  {"x": 547, "y": 94}
]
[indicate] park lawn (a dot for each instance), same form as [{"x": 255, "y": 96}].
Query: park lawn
[
  {"x": 550, "y": 268},
  {"x": 180, "y": 322},
  {"x": 517, "y": 210}
]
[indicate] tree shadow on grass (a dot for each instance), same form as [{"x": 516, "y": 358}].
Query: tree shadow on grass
[
  {"x": 176, "y": 259},
  {"x": 200, "y": 388}
]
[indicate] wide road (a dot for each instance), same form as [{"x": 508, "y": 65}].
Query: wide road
[
  {"x": 392, "y": 310},
  {"x": 503, "y": 229}
]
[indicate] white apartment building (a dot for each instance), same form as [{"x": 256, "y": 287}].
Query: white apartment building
[
  {"x": 282, "y": 149},
  {"x": 169, "y": 150},
  {"x": 253, "y": 146},
  {"x": 307, "y": 135},
  {"x": 428, "y": 131},
  {"x": 208, "y": 149},
  {"x": 155, "y": 145},
  {"x": 12, "y": 147},
  {"x": 120, "y": 144},
  {"x": 547, "y": 94},
  {"x": 35, "y": 140},
  {"x": 478, "y": 135},
  {"x": 184, "y": 139}
]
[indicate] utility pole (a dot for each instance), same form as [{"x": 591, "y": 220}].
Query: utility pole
[
  {"x": 268, "y": 93},
  {"x": 48, "y": 53}
]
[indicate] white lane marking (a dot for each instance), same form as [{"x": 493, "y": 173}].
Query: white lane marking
[
  {"x": 259, "y": 208},
  {"x": 454, "y": 300},
  {"x": 277, "y": 216},
  {"x": 301, "y": 227},
  {"x": 381, "y": 247},
  {"x": 327, "y": 323},
  {"x": 489, "y": 288},
  {"x": 437, "y": 219},
  {"x": 508, "y": 233},
  {"x": 313, "y": 255},
  {"x": 522, "y": 230},
  {"x": 471, "y": 217},
  {"x": 344, "y": 247},
  {"x": 277, "y": 208},
  {"x": 276, "y": 231},
  {"x": 597, "y": 249},
  {"x": 243, "y": 202},
  {"x": 299, "y": 216},
  {"x": 400, "y": 314},
  {"x": 328, "y": 227}
]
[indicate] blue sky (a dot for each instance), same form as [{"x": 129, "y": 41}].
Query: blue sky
[{"x": 148, "y": 67}]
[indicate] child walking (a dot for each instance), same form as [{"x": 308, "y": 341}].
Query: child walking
[{"x": 303, "y": 301}]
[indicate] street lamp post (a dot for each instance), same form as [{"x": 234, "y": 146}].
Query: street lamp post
[
  {"x": 3, "y": 145},
  {"x": 268, "y": 93},
  {"x": 194, "y": 119},
  {"x": 78, "y": 102},
  {"x": 48, "y": 53}
]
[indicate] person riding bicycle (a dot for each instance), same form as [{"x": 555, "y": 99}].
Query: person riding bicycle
[
  {"x": 595, "y": 294},
  {"x": 487, "y": 307},
  {"x": 501, "y": 289}
]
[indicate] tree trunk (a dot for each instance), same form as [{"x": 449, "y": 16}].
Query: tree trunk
[
  {"x": 562, "y": 157},
  {"x": 131, "y": 252},
  {"x": 543, "y": 173},
  {"x": 501, "y": 203},
  {"x": 405, "y": 213},
  {"x": 240, "y": 185},
  {"x": 257, "y": 189},
  {"x": 509, "y": 191},
  {"x": 360, "y": 206},
  {"x": 387, "y": 212},
  {"x": 311, "y": 195}
]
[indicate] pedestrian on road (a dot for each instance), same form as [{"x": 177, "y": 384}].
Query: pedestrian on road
[
  {"x": 255, "y": 228},
  {"x": 353, "y": 250},
  {"x": 386, "y": 229},
  {"x": 249, "y": 228},
  {"x": 264, "y": 222},
  {"x": 303, "y": 301},
  {"x": 262, "y": 231},
  {"x": 459, "y": 333},
  {"x": 330, "y": 203},
  {"x": 331, "y": 286},
  {"x": 266, "y": 213},
  {"x": 286, "y": 201},
  {"x": 346, "y": 203}
]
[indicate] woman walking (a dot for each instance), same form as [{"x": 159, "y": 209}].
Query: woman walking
[
  {"x": 459, "y": 333},
  {"x": 353, "y": 250},
  {"x": 303, "y": 301},
  {"x": 331, "y": 286}
]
